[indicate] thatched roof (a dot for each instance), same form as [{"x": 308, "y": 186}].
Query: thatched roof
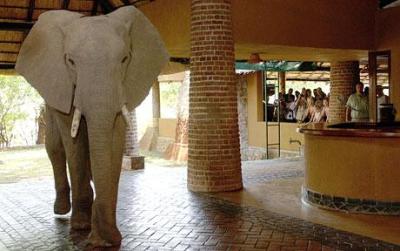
[{"x": 18, "y": 16}]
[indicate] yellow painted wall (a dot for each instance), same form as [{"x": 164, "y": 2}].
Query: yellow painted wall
[
  {"x": 305, "y": 23},
  {"x": 354, "y": 167},
  {"x": 341, "y": 24},
  {"x": 257, "y": 129},
  {"x": 167, "y": 127},
  {"x": 388, "y": 38}
]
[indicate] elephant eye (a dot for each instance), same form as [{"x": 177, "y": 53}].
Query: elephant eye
[
  {"x": 124, "y": 59},
  {"x": 71, "y": 61}
]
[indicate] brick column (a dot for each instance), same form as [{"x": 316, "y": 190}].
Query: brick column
[
  {"x": 243, "y": 115},
  {"x": 132, "y": 158},
  {"x": 41, "y": 125},
  {"x": 344, "y": 77},
  {"x": 179, "y": 150},
  {"x": 156, "y": 114},
  {"x": 214, "y": 151}
]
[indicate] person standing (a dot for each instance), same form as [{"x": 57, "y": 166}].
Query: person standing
[
  {"x": 289, "y": 97},
  {"x": 381, "y": 99},
  {"x": 357, "y": 106}
]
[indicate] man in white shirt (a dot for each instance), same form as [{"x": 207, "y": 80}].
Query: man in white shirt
[{"x": 357, "y": 106}]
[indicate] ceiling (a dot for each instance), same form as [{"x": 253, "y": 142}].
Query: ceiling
[{"x": 18, "y": 16}]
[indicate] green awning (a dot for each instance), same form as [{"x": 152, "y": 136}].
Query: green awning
[{"x": 279, "y": 66}]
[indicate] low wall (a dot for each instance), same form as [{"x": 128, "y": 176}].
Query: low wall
[
  {"x": 167, "y": 127},
  {"x": 257, "y": 135},
  {"x": 256, "y": 145}
]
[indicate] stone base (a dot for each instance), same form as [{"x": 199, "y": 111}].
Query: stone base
[
  {"x": 133, "y": 162},
  {"x": 350, "y": 205}
]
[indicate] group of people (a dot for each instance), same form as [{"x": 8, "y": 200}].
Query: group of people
[
  {"x": 307, "y": 106},
  {"x": 304, "y": 106}
]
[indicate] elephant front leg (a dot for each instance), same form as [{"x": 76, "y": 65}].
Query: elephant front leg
[
  {"x": 79, "y": 169},
  {"x": 55, "y": 151}
]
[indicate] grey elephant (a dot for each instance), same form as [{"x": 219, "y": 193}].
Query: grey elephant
[{"x": 91, "y": 71}]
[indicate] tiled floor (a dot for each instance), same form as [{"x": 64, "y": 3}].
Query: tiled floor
[{"x": 157, "y": 212}]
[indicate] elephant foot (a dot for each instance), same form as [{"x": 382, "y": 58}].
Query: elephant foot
[
  {"x": 62, "y": 204},
  {"x": 95, "y": 240},
  {"x": 81, "y": 221}
]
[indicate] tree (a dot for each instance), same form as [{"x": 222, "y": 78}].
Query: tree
[{"x": 15, "y": 95}]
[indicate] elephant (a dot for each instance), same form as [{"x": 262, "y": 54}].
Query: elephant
[{"x": 91, "y": 71}]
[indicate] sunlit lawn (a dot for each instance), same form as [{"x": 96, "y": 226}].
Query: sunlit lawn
[{"x": 17, "y": 164}]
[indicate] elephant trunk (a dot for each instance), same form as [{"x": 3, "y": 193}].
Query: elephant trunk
[{"x": 106, "y": 141}]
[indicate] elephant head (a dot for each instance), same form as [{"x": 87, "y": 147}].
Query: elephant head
[
  {"x": 87, "y": 62},
  {"x": 100, "y": 68}
]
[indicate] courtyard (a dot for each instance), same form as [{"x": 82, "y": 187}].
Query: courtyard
[{"x": 157, "y": 212}]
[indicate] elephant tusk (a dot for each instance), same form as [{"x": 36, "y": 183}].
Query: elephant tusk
[
  {"x": 127, "y": 118},
  {"x": 75, "y": 122}
]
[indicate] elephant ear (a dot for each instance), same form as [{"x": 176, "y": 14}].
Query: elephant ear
[
  {"x": 149, "y": 54},
  {"x": 41, "y": 59}
]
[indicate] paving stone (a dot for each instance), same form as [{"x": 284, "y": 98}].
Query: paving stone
[{"x": 157, "y": 212}]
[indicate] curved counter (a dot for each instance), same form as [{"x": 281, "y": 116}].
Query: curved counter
[{"x": 353, "y": 167}]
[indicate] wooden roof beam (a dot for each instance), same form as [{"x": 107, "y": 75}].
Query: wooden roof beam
[
  {"x": 106, "y": 6},
  {"x": 30, "y": 10},
  {"x": 94, "y": 8},
  {"x": 65, "y": 4},
  {"x": 137, "y": 2},
  {"x": 14, "y": 26},
  {"x": 6, "y": 66}
]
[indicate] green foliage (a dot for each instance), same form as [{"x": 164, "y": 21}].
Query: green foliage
[
  {"x": 15, "y": 93},
  {"x": 169, "y": 93}
]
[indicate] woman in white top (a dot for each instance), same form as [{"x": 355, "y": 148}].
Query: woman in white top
[{"x": 319, "y": 112}]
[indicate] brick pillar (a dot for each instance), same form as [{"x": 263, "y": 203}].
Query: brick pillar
[
  {"x": 214, "y": 150},
  {"x": 41, "y": 125},
  {"x": 156, "y": 114},
  {"x": 243, "y": 115},
  {"x": 179, "y": 150},
  {"x": 132, "y": 158},
  {"x": 344, "y": 77}
]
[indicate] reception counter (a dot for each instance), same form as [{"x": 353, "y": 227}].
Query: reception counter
[{"x": 353, "y": 167}]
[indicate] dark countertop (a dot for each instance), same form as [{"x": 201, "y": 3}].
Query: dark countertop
[{"x": 367, "y": 130}]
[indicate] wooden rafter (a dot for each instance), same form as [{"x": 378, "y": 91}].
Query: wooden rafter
[
  {"x": 65, "y": 4},
  {"x": 31, "y": 8},
  {"x": 9, "y": 52},
  {"x": 94, "y": 8},
  {"x": 106, "y": 6},
  {"x": 6, "y": 66},
  {"x": 9, "y": 42},
  {"x": 16, "y": 26},
  {"x": 137, "y": 2}
]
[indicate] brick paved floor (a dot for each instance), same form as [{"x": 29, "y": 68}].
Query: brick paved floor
[{"x": 157, "y": 212}]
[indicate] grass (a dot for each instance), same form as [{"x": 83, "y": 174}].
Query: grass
[
  {"x": 23, "y": 163},
  {"x": 17, "y": 164}
]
